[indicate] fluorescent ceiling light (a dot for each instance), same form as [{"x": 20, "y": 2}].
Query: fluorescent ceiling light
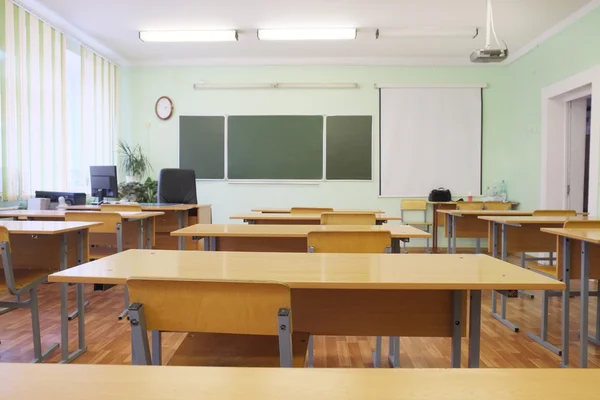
[
  {"x": 307, "y": 34},
  {"x": 317, "y": 85},
  {"x": 189, "y": 36},
  {"x": 201, "y": 86},
  {"x": 428, "y": 31}
]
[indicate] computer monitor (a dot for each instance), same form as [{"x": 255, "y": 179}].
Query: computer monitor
[{"x": 103, "y": 179}]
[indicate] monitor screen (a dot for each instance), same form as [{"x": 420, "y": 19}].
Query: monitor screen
[{"x": 103, "y": 180}]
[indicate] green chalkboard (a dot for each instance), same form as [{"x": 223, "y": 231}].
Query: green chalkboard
[
  {"x": 349, "y": 147},
  {"x": 275, "y": 147},
  {"x": 202, "y": 145}
]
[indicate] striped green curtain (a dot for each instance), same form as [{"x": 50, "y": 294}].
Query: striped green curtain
[{"x": 33, "y": 111}]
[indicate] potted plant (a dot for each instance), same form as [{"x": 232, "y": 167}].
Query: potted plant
[
  {"x": 133, "y": 162},
  {"x": 139, "y": 192}
]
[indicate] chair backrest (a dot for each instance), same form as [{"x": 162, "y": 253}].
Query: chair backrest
[
  {"x": 177, "y": 185},
  {"x": 349, "y": 242},
  {"x": 310, "y": 210},
  {"x": 348, "y": 219},
  {"x": 109, "y": 220},
  {"x": 497, "y": 205},
  {"x": 555, "y": 213},
  {"x": 248, "y": 308},
  {"x": 413, "y": 205},
  {"x": 582, "y": 225},
  {"x": 4, "y": 236},
  {"x": 469, "y": 205},
  {"x": 128, "y": 207}
]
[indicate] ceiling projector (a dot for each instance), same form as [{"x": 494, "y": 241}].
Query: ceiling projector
[{"x": 489, "y": 55}]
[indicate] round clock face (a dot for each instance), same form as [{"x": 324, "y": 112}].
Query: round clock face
[{"x": 164, "y": 108}]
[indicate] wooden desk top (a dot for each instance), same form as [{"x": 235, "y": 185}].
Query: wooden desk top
[
  {"x": 487, "y": 212},
  {"x": 45, "y": 227},
  {"x": 475, "y": 200},
  {"x": 314, "y": 271},
  {"x": 101, "y": 382},
  {"x": 299, "y": 217},
  {"x": 290, "y": 231},
  {"x": 147, "y": 207},
  {"x": 128, "y": 216},
  {"x": 289, "y": 210},
  {"x": 586, "y": 235},
  {"x": 516, "y": 220}
]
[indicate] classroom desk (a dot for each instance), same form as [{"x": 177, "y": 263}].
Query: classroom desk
[
  {"x": 577, "y": 260},
  {"x": 289, "y": 210},
  {"x": 54, "y": 245},
  {"x": 466, "y": 224},
  {"x": 525, "y": 236},
  {"x": 409, "y": 295},
  {"x": 101, "y": 382},
  {"x": 132, "y": 222},
  {"x": 298, "y": 219},
  {"x": 176, "y": 216},
  {"x": 283, "y": 238},
  {"x": 443, "y": 205}
]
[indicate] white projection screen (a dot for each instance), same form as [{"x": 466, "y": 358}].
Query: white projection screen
[{"x": 430, "y": 137}]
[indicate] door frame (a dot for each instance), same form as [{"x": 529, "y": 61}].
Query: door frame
[{"x": 555, "y": 133}]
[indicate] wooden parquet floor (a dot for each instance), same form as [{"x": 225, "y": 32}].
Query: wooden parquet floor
[{"x": 108, "y": 339}]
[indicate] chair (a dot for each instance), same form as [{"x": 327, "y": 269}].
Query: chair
[
  {"x": 19, "y": 282},
  {"x": 310, "y": 210},
  {"x": 351, "y": 242},
  {"x": 333, "y": 218},
  {"x": 469, "y": 205},
  {"x": 177, "y": 186},
  {"x": 555, "y": 213},
  {"x": 497, "y": 205},
  {"x": 124, "y": 207},
  {"x": 416, "y": 205},
  {"x": 584, "y": 224},
  {"x": 213, "y": 308},
  {"x": 105, "y": 239}
]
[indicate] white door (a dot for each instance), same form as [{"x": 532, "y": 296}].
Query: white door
[{"x": 576, "y": 153}]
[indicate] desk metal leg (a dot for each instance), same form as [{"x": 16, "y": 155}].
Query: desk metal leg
[
  {"x": 494, "y": 254},
  {"x": 80, "y": 251},
  {"x": 311, "y": 352},
  {"x": 456, "y": 328},
  {"x": 524, "y": 292},
  {"x": 474, "y": 328},
  {"x": 64, "y": 317},
  {"x": 566, "y": 253},
  {"x": 180, "y": 225},
  {"x": 156, "y": 348},
  {"x": 449, "y": 229},
  {"x": 543, "y": 339},
  {"x": 596, "y": 339},
  {"x": 149, "y": 229},
  {"x": 585, "y": 289},
  {"x": 453, "y": 217},
  {"x": 434, "y": 233},
  {"x": 377, "y": 353},
  {"x": 477, "y": 245},
  {"x": 502, "y": 316},
  {"x": 394, "y": 352},
  {"x": 213, "y": 243}
]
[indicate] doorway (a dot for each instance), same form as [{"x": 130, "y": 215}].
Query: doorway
[{"x": 578, "y": 153}]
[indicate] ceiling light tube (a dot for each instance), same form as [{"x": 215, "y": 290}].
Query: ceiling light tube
[
  {"x": 189, "y": 36},
  {"x": 201, "y": 86},
  {"x": 317, "y": 85},
  {"x": 307, "y": 34},
  {"x": 427, "y": 31}
]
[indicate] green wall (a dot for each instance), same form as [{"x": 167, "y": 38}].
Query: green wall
[{"x": 511, "y": 116}]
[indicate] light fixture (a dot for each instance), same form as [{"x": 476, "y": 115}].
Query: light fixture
[
  {"x": 307, "y": 34},
  {"x": 189, "y": 36},
  {"x": 203, "y": 86},
  {"x": 427, "y": 31}
]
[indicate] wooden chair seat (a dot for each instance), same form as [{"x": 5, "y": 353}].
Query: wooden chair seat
[
  {"x": 24, "y": 277},
  {"x": 222, "y": 350},
  {"x": 550, "y": 271},
  {"x": 416, "y": 223}
]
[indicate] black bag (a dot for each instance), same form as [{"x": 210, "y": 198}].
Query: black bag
[{"x": 440, "y": 194}]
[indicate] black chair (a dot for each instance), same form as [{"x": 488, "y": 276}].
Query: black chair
[{"x": 177, "y": 186}]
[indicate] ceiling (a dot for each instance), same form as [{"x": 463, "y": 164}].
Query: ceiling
[{"x": 116, "y": 23}]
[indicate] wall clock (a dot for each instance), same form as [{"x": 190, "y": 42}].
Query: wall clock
[{"x": 164, "y": 108}]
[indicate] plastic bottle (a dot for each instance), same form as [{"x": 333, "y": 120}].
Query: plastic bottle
[
  {"x": 470, "y": 197},
  {"x": 503, "y": 191},
  {"x": 488, "y": 192},
  {"x": 495, "y": 192}
]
